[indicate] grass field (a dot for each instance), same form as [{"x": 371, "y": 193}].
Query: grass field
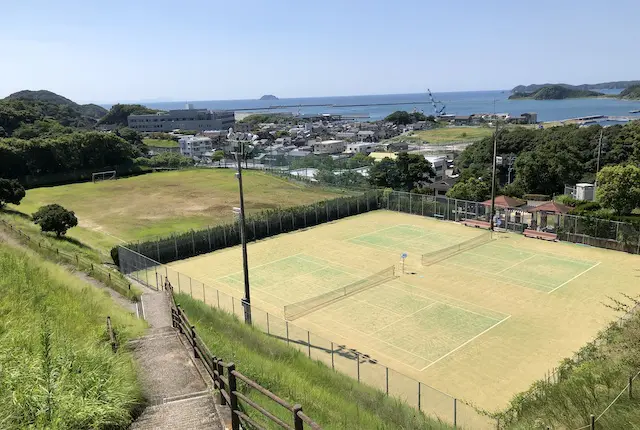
[
  {"x": 129, "y": 209},
  {"x": 58, "y": 369},
  {"x": 452, "y": 134},
  {"x": 161, "y": 143},
  {"x": 480, "y": 325}
]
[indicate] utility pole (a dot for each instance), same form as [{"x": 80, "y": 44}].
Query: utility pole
[
  {"x": 246, "y": 301},
  {"x": 598, "y": 162},
  {"x": 493, "y": 176}
]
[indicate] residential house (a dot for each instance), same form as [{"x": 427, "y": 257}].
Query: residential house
[
  {"x": 329, "y": 147},
  {"x": 441, "y": 187},
  {"x": 462, "y": 119},
  {"x": 366, "y": 135},
  {"x": 439, "y": 164},
  {"x": 195, "y": 146},
  {"x": 361, "y": 148}
]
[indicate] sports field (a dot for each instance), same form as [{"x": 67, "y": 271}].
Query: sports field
[
  {"x": 480, "y": 325},
  {"x": 160, "y": 204}
]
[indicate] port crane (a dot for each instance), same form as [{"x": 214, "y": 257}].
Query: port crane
[{"x": 436, "y": 110}]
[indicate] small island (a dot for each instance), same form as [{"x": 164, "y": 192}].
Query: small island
[
  {"x": 555, "y": 92},
  {"x": 268, "y": 97}
]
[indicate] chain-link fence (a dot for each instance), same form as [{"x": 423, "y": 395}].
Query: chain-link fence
[{"x": 338, "y": 356}]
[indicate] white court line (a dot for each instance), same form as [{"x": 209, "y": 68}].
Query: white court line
[
  {"x": 465, "y": 343},
  {"x": 370, "y": 233},
  {"x": 514, "y": 265},
  {"x": 545, "y": 254},
  {"x": 371, "y": 304},
  {"x": 427, "y": 291},
  {"x": 508, "y": 280},
  {"x": 579, "y": 274},
  {"x": 405, "y": 317},
  {"x": 448, "y": 304},
  {"x": 261, "y": 265}
]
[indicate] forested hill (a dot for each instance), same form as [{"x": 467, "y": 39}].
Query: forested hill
[
  {"x": 89, "y": 110},
  {"x": 601, "y": 86},
  {"x": 555, "y": 92},
  {"x": 631, "y": 93}
]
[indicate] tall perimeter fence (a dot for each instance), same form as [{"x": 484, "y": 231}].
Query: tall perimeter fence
[{"x": 336, "y": 355}]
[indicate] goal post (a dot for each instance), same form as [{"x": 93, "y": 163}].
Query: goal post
[{"x": 103, "y": 176}]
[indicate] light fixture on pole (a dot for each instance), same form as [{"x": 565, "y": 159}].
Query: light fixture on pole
[
  {"x": 246, "y": 301},
  {"x": 493, "y": 176}
]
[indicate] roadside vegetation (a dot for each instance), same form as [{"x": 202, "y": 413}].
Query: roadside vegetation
[
  {"x": 333, "y": 400},
  {"x": 57, "y": 367},
  {"x": 589, "y": 383}
]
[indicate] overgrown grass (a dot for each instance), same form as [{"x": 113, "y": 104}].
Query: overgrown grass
[
  {"x": 68, "y": 251},
  {"x": 333, "y": 400},
  {"x": 445, "y": 135},
  {"x": 586, "y": 385},
  {"x": 57, "y": 369}
]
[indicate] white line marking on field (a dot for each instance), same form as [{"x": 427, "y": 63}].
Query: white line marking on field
[
  {"x": 514, "y": 265},
  {"x": 506, "y": 279},
  {"x": 579, "y": 274},
  {"x": 447, "y": 304},
  {"x": 465, "y": 343},
  {"x": 406, "y": 316}
]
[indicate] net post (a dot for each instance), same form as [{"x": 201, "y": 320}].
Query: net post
[
  {"x": 332, "y": 362},
  {"x": 419, "y": 398},
  {"x": 358, "y": 365},
  {"x": 386, "y": 379},
  {"x": 309, "y": 342},
  {"x": 455, "y": 412}
]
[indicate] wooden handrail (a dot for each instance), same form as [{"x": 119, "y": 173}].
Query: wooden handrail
[{"x": 227, "y": 384}]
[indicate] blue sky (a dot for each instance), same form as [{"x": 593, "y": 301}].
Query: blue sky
[{"x": 214, "y": 50}]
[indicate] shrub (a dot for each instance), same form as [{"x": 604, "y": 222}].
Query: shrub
[
  {"x": 11, "y": 191},
  {"x": 55, "y": 218}
]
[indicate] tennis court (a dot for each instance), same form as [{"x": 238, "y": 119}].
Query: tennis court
[{"x": 475, "y": 316}]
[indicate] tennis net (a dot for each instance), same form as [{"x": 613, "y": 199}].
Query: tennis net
[
  {"x": 304, "y": 307},
  {"x": 442, "y": 254}
]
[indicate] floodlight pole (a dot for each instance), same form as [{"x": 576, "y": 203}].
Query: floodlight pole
[
  {"x": 246, "y": 301},
  {"x": 493, "y": 176}
]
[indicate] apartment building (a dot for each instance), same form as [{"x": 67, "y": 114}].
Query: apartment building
[{"x": 195, "y": 146}]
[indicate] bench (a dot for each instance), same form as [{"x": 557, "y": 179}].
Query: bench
[
  {"x": 540, "y": 235},
  {"x": 476, "y": 223}
]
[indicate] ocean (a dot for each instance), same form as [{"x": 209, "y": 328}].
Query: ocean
[{"x": 458, "y": 103}]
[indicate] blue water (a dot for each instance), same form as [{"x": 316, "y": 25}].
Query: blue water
[{"x": 458, "y": 103}]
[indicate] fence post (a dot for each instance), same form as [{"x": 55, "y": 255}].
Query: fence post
[
  {"x": 209, "y": 236},
  {"x": 235, "y": 419},
  {"x": 179, "y": 312},
  {"x": 286, "y": 323},
  {"x": 309, "y": 342},
  {"x": 268, "y": 332},
  {"x": 358, "y": 365},
  {"x": 280, "y": 217},
  {"x": 386, "y": 379},
  {"x": 315, "y": 206},
  {"x": 175, "y": 244},
  {"x": 111, "y": 336},
  {"x": 326, "y": 207},
  {"x": 220, "y": 369},
  {"x": 419, "y": 397},
  {"x": 179, "y": 288},
  {"x": 190, "y": 288},
  {"x": 255, "y": 238},
  {"x": 332, "y": 363},
  {"x": 193, "y": 241},
  {"x": 193, "y": 341},
  {"x": 204, "y": 295},
  {"x": 224, "y": 235},
  {"x": 592, "y": 423},
  {"x": 630, "y": 387},
  {"x": 218, "y": 295},
  {"x": 455, "y": 412},
  {"x": 298, "y": 424}
]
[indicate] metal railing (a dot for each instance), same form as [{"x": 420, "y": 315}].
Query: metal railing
[{"x": 226, "y": 380}]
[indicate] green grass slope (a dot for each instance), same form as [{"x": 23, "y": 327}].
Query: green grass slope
[
  {"x": 588, "y": 384},
  {"x": 57, "y": 369},
  {"x": 333, "y": 400},
  {"x": 631, "y": 93}
]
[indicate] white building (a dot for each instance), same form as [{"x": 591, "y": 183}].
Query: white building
[
  {"x": 439, "y": 164},
  {"x": 329, "y": 147},
  {"x": 195, "y": 146},
  {"x": 361, "y": 148}
]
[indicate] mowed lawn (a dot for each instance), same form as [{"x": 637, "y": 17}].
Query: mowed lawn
[
  {"x": 161, "y": 143},
  {"x": 155, "y": 204},
  {"x": 453, "y": 134}
]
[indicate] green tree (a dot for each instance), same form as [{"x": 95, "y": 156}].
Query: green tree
[
  {"x": 11, "y": 191},
  {"x": 472, "y": 189},
  {"x": 119, "y": 113},
  {"x": 55, "y": 218},
  {"x": 217, "y": 156},
  {"x": 619, "y": 188},
  {"x": 399, "y": 117},
  {"x": 406, "y": 172}
]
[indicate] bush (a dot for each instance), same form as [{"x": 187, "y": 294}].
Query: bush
[
  {"x": 11, "y": 191},
  {"x": 567, "y": 200},
  {"x": 55, "y": 218}
]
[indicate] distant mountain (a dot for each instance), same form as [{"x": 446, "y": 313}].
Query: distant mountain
[
  {"x": 269, "y": 97},
  {"x": 630, "y": 93},
  {"x": 601, "y": 86},
  {"x": 89, "y": 110},
  {"x": 554, "y": 92}
]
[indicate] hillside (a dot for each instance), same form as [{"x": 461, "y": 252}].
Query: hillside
[
  {"x": 119, "y": 112},
  {"x": 269, "y": 97},
  {"x": 600, "y": 86},
  {"x": 631, "y": 93},
  {"x": 89, "y": 110},
  {"x": 554, "y": 92},
  {"x": 58, "y": 369}
]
